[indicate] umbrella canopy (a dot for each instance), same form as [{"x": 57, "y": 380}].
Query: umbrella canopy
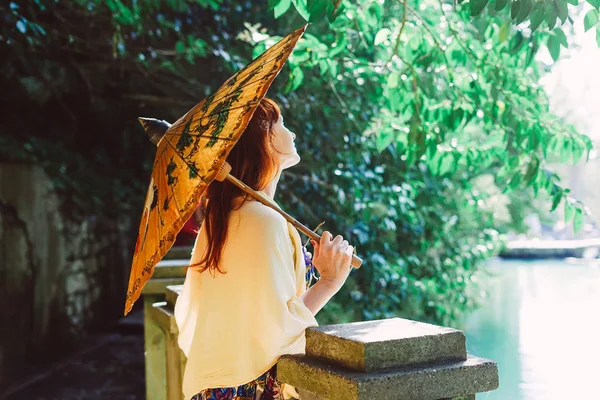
[{"x": 191, "y": 153}]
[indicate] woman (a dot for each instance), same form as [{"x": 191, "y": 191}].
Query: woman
[{"x": 245, "y": 302}]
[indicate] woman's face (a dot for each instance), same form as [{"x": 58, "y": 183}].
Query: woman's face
[{"x": 285, "y": 149}]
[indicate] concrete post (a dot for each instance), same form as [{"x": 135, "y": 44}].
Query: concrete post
[{"x": 386, "y": 359}]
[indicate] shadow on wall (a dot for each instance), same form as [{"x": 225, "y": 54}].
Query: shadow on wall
[{"x": 58, "y": 277}]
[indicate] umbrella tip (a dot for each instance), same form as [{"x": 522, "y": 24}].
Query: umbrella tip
[{"x": 155, "y": 128}]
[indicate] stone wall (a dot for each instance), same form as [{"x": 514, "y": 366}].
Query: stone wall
[{"x": 58, "y": 277}]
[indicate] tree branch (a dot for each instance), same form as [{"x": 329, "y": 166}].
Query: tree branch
[{"x": 395, "y": 52}]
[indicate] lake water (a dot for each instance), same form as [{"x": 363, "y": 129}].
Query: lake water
[{"x": 541, "y": 324}]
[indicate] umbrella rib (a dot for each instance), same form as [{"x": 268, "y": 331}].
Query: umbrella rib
[{"x": 159, "y": 157}]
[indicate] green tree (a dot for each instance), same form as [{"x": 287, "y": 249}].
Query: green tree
[
  {"x": 401, "y": 107},
  {"x": 422, "y": 99}
]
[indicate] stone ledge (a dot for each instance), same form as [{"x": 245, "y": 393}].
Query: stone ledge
[
  {"x": 172, "y": 293},
  {"x": 164, "y": 317},
  {"x": 158, "y": 286},
  {"x": 170, "y": 269},
  {"x": 179, "y": 252},
  {"x": 416, "y": 383},
  {"x": 373, "y": 345}
]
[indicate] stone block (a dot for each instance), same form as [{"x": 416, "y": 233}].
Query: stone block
[
  {"x": 170, "y": 269},
  {"x": 159, "y": 285},
  {"x": 373, "y": 345},
  {"x": 172, "y": 293},
  {"x": 164, "y": 317},
  {"x": 179, "y": 252},
  {"x": 332, "y": 382}
]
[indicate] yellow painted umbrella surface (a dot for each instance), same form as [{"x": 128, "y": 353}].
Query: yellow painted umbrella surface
[{"x": 191, "y": 153}]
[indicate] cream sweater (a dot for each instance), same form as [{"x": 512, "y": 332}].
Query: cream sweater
[{"x": 234, "y": 326}]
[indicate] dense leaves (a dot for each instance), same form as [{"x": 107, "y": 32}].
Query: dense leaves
[
  {"x": 411, "y": 118},
  {"x": 427, "y": 104}
]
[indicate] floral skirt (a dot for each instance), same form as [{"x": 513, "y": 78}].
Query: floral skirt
[{"x": 265, "y": 387}]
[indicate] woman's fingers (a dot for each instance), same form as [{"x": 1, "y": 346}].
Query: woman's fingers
[
  {"x": 316, "y": 247},
  {"x": 326, "y": 237}
]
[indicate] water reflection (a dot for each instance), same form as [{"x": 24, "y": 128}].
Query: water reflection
[{"x": 542, "y": 326}]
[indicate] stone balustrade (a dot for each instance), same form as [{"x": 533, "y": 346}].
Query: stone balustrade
[
  {"x": 164, "y": 360},
  {"x": 384, "y": 359}
]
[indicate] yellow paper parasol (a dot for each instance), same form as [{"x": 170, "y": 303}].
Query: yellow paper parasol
[{"x": 192, "y": 152}]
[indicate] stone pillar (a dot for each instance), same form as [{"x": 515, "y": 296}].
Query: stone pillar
[
  {"x": 160, "y": 330},
  {"x": 386, "y": 359}
]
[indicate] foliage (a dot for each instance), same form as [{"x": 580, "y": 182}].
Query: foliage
[
  {"x": 445, "y": 98},
  {"x": 400, "y": 108}
]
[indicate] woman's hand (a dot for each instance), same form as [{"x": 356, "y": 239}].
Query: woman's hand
[{"x": 332, "y": 259}]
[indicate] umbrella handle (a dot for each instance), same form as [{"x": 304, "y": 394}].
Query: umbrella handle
[{"x": 224, "y": 174}]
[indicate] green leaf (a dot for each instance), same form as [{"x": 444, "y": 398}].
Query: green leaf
[
  {"x": 477, "y": 6},
  {"x": 382, "y": 36},
  {"x": 524, "y": 11},
  {"x": 500, "y": 4},
  {"x": 573, "y": 2},
  {"x": 551, "y": 15},
  {"x": 518, "y": 42},
  {"x": 532, "y": 170},
  {"x": 272, "y": 3},
  {"x": 281, "y": 8},
  {"x": 569, "y": 211},
  {"x": 556, "y": 199},
  {"x": 598, "y": 36},
  {"x": 515, "y": 8},
  {"x": 578, "y": 220},
  {"x": 447, "y": 164},
  {"x": 562, "y": 10},
  {"x": 383, "y": 140},
  {"x": 297, "y": 78},
  {"x": 554, "y": 47},
  {"x": 317, "y": 9},
  {"x": 538, "y": 16},
  {"x": 561, "y": 37},
  {"x": 590, "y": 19},
  {"x": 339, "y": 46},
  {"x": 594, "y": 3},
  {"x": 179, "y": 47},
  {"x": 515, "y": 182},
  {"x": 302, "y": 7}
]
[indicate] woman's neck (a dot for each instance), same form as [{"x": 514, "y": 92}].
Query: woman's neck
[{"x": 271, "y": 187}]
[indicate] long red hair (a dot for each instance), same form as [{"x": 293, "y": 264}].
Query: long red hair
[{"x": 253, "y": 161}]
